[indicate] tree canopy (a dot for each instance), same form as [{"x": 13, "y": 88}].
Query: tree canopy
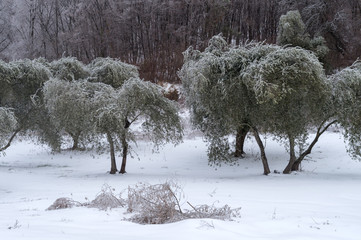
[
  {"x": 347, "y": 94},
  {"x": 277, "y": 90}
]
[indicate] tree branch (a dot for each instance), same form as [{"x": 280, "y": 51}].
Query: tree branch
[{"x": 10, "y": 140}]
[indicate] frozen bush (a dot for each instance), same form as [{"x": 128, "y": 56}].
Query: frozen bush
[
  {"x": 151, "y": 204},
  {"x": 160, "y": 203},
  {"x": 154, "y": 204},
  {"x": 62, "y": 203},
  {"x": 207, "y": 211},
  {"x": 106, "y": 200}
]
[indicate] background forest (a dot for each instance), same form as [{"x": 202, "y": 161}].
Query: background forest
[{"x": 153, "y": 34}]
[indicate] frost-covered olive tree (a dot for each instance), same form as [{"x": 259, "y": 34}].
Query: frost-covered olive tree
[
  {"x": 294, "y": 95},
  {"x": 292, "y": 31},
  {"x": 220, "y": 102},
  {"x": 7, "y": 126},
  {"x": 21, "y": 82},
  {"x": 136, "y": 100},
  {"x": 112, "y": 71},
  {"x": 347, "y": 96},
  {"x": 69, "y": 68},
  {"x": 96, "y": 109},
  {"x": 261, "y": 87},
  {"x": 67, "y": 111},
  {"x": 69, "y": 108}
]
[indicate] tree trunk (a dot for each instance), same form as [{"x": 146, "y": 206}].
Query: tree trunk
[
  {"x": 296, "y": 165},
  {"x": 266, "y": 169},
  {"x": 113, "y": 168},
  {"x": 125, "y": 153},
  {"x": 125, "y": 146},
  {"x": 75, "y": 138},
  {"x": 240, "y": 138},
  {"x": 288, "y": 168}
]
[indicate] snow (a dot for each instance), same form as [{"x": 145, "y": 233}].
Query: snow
[{"x": 321, "y": 202}]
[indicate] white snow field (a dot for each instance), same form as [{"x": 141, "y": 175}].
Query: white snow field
[{"x": 321, "y": 202}]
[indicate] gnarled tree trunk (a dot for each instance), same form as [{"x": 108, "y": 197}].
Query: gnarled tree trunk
[
  {"x": 266, "y": 169},
  {"x": 288, "y": 168}
]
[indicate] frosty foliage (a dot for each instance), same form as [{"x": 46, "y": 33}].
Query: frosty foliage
[
  {"x": 69, "y": 106},
  {"x": 6, "y": 73},
  {"x": 142, "y": 101},
  {"x": 220, "y": 101},
  {"x": 292, "y": 31},
  {"x": 69, "y": 68},
  {"x": 21, "y": 84},
  {"x": 112, "y": 71},
  {"x": 347, "y": 93},
  {"x": 8, "y": 124},
  {"x": 292, "y": 90},
  {"x": 279, "y": 90},
  {"x": 107, "y": 103},
  {"x": 7, "y": 76},
  {"x": 159, "y": 115},
  {"x": 29, "y": 77}
]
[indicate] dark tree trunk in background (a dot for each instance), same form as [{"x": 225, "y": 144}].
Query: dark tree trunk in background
[
  {"x": 113, "y": 167},
  {"x": 240, "y": 139},
  {"x": 124, "y": 159},
  {"x": 75, "y": 138},
  {"x": 125, "y": 146}
]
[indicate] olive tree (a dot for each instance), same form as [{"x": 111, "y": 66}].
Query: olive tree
[
  {"x": 69, "y": 109},
  {"x": 111, "y": 71},
  {"x": 292, "y": 31},
  {"x": 69, "y": 68},
  {"x": 136, "y": 101},
  {"x": 291, "y": 87},
  {"x": 21, "y": 82},
  {"x": 66, "y": 112},
  {"x": 220, "y": 102},
  {"x": 98, "y": 109},
  {"x": 267, "y": 88},
  {"x": 347, "y": 98}
]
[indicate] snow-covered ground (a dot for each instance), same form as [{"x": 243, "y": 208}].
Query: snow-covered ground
[{"x": 321, "y": 202}]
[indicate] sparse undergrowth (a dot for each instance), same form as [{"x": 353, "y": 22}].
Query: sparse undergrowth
[{"x": 151, "y": 204}]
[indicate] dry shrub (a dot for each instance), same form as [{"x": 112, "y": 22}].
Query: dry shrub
[
  {"x": 206, "y": 211},
  {"x": 154, "y": 204},
  {"x": 151, "y": 204},
  {"x": 160, "y": 203},
  {"x": 106, "y": 199},
  {"x": 62, "y": 203}
]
